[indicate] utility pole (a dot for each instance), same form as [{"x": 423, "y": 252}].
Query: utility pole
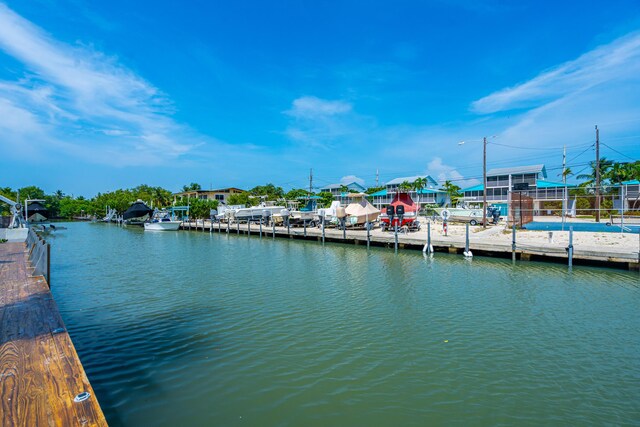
[
  {"x": 565, "y": 198},
  {"x": 310, "y": 181},
  {"x": 377, "y": 177},
  {"x": 484, "y": 180},
  {"x": 597, "y": 174}
]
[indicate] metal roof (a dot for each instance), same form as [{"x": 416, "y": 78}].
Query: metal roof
[
  {"x": 411, "y": 179},
  {"x": 517, "y": 170},
  {"x": 339, "y": 185},
  {"x": 548, "y": 184},
  {"x": 478, "y": 187}
]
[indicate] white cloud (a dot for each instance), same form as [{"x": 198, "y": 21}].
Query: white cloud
[
  {"x": 311, "y": 107},
  {"x": 72, "y": 90},
  {"x": 443, "y": 172},
  {"x": 617, "y": 60},
  {"x": 351, "y": 178}
]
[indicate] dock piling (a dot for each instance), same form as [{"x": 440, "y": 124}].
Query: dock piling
[
  {"x": 513, "y": 244},
  {"x": 323, "y": 228},
  {"x": 467, "y": 253},
  {"x": 395, "y": 233},
  {"x": 570, "y": 248}
]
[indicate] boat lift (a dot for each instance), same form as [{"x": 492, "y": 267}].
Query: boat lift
[{"x": 17, "y": 221}]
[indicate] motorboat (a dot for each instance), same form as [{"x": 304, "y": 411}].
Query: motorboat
[
  {"x": 161, "y": 221},
  {"x": 360, "y": 211},
  {"x": 402, "y": 202},
  {"x": 137, "y": 213},
  {"x": 256, "y": 213},
  {"x": 35, "y": 212},
  {"x": 461, "y": 214}
]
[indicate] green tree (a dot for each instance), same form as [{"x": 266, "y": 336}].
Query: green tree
[
  {"x": 295, "y": 193},
  {"x": 201, "y": 208},
  {"x": 418, "y": 185},
  {"x": 326, "y": 199},
  {"x": 194, "y": 186},
  {"x": 269, "y": 190},
  {"x": 452, "y": 190},
  {"x": 405, "y": 187},
  {"x": 605, "y": 165},
  {"x": 241, "y": 199},
  {"x": 372, "y": 190}
]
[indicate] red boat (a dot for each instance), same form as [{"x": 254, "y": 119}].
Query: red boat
[{"x": 402, "y": 204}]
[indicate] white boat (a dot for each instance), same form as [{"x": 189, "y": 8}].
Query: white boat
[
  {"x": 162, "y": 225},
  {"x": 161, "y": 221},
  {"x": 473, "y": 216},
  {"x": 256, "y": 213}
]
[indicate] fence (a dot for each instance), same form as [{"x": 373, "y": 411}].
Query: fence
[
  {"x": 39, "y": 252},
  {"x": 521, "y": 209}
]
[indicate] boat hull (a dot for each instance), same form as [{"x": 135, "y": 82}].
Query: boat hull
[{"x": 162, "y": 226}]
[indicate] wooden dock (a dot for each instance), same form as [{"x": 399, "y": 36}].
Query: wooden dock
[
  {"x": 41, "y": 378},
  {"x": 526, "y": 252}
]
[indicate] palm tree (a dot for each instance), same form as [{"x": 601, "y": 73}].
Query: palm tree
[
  {"x": 605, "y": 165},
  {"x": 452, "y": 190},
  {"x": 405, "y": 186},
  {"x": 418, "y": 185},
  {"x": 566, "y": 174}
]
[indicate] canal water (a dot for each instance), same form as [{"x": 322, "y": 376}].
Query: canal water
[{"x": 188, "y": 328}]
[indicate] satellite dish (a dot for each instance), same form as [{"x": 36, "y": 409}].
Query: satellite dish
[{"x": 445, "y": 214}]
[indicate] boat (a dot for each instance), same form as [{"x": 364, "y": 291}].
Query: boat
[
  {"x": 360, "y": 211},
  {"x": 256, "y": 213},
  {"x": 162, "y": 224},
  {"x": 409, "y": 216},
  {"x": 461, "y": 214},
  {"x": 137, "y": 213},
  {"x": 35, "y": 212},
  {"x": 306, "y": 215},
  {"x": 329, "y": 213}
]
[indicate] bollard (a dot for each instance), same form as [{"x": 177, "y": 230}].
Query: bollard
[
  {"x": 467, "y": 253},
  {"x": 513, "y": 244},
  {"x": 570, "y": 248}
]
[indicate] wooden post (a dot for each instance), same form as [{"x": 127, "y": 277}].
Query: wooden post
[
  {"x": 228, "y": 225},
  {"x": 238, "y": 227},
  {"x": 429, "y": 247},
  {"x": 395, "y": 232},
  {"x": 368, "y": 234},
  {"x": 323, "y": 229},
  {"x": 249, "y": 227},
  {"x": 513, "y": 243},
  {"x": 273, "y": 223},
  {"x": 261, "y": 228},
  {"x": 570, "y": 248},
  {"x": 304, "y": 224}
]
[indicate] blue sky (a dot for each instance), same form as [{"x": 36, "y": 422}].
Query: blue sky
[{"x": 96, "y": 96}]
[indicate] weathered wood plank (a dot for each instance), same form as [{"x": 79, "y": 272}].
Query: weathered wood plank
[{"x": 40, "y": 372}]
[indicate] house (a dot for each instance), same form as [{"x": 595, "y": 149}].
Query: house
[
  {"x": 337, "y": 190},
  {"x": 428, "y": 195},
  {"x": 629, "y": 192},
  {"x": 502, "y": 181},
  {"x": 221, "y": 194}
]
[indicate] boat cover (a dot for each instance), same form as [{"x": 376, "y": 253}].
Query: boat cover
[
  {"x": 137, "y": 210},
  {"x": 406, "y": 200},
  {"x": 362, "y": 208},
  {"x": 37, "y": 212}
]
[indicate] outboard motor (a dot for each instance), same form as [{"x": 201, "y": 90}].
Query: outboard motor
[
  {"x": 285, "y": 216},
  {"x": 341, "y": 214},
  {"x": 213, "y": 213},
  {"x": 265, "y": 216},
  {"x": 400, "y": 213},
  {"x": 391, "y": 212}
]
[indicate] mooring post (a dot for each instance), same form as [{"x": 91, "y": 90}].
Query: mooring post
[
  {"x": 273, "y": 223},
  {"x": 368, "y": 225},
  {"x": 304, "y": 222},
  {"x": 288, "y": 227},
  {"x": 570, "y": 248},
  {"x": 219, "y": 226},
  {"x": 249, "y": 227},
  {"x": 228, "y": 225},
  {"x": 429, "y": 247},
  {"x": 344, "y": 228},
  {"x": 261, "y": 228},
  {"x": 395, "y": 232},
  {"x": 323, "y": 228},
  {"x": 238, "y": 228},
  {"x": 467, "y": 252},
  {"x": 513, "y": 243}
]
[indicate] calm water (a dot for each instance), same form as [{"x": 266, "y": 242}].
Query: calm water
[{"x": 195, "y": 329}]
